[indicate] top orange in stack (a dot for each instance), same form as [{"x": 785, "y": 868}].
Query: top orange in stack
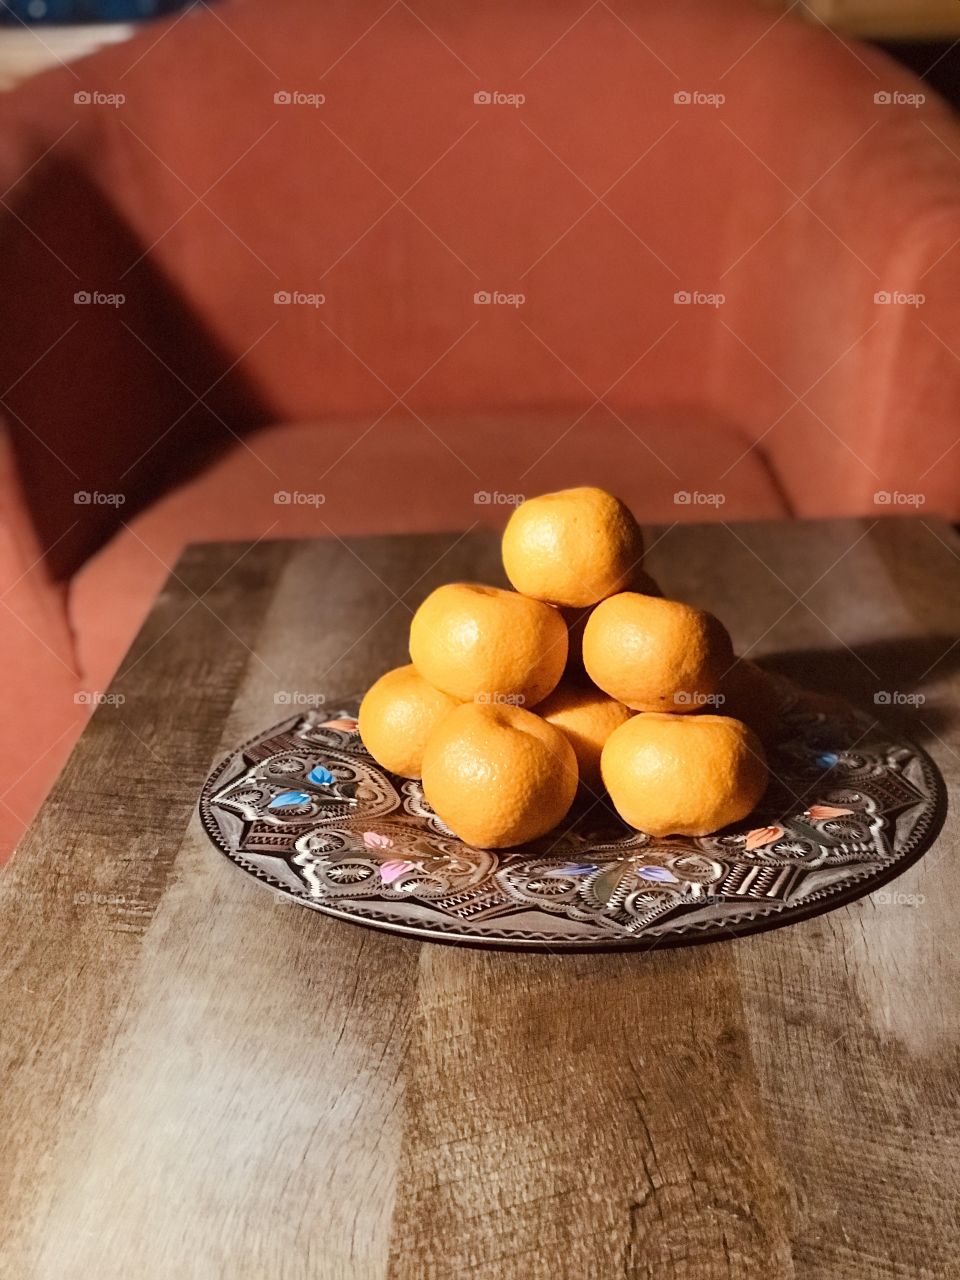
[{"x": 582, "y": 675}]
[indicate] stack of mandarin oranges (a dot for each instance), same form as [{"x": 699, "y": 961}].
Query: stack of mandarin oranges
[{"x": 582, "y": 678}]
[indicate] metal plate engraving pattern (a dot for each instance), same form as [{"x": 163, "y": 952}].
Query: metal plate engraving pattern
[{"x": 306, "y": 810}]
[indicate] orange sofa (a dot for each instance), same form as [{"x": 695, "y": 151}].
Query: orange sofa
[{"x": 393, "y": 260}]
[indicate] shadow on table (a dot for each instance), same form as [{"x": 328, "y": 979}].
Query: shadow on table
[{"x": 886, "y": 678}]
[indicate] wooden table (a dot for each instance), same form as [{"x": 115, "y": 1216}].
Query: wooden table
[
  {"x": 25, "y": 51},
  {"x": 198, "y": 1081},
  {"x": 879, "y": 19}
]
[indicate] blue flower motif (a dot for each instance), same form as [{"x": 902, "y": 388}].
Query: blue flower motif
[
  {"x": 659, "y": 874},
  {"x": 289, "y": 800},
  {"x": 321, "y": 776},
  {"x": 827, "y": 759},
  {"x": 570, "y": 869}
]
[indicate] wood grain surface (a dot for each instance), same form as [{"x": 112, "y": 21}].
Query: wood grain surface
[{"x": 200, "y": 1080}]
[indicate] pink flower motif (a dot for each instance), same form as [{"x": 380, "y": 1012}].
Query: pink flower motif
[
  {"x": 820, "y": 812},
  {"x": 374, "y": 840},
  {"x": 760, "y": 836},
  {"x": 391, "y": 871},
  {"x": 347, "y": 725}
]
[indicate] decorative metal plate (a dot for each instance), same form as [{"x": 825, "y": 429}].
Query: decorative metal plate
[{"x": 305, "y": 809}]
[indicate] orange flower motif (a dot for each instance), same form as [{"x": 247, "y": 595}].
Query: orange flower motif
[
  {"x": 760, "y": 836},
  {"x": 819, "y": 812},
  {"x": 349, "y": 726}
]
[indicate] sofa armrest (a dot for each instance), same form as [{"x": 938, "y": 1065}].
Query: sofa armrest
[
  {"x": 840, "y": 352},
  {"x": 43, "y": 705}
]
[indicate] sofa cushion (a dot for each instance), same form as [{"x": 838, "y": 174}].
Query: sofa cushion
[{"x": 406, "y": 475}]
